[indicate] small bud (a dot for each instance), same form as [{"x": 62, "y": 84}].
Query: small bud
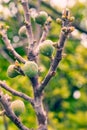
[
  {"x": 53, "y": 73},
  {"x": 59, "y": 21},
  {"x": 55, "y": 44},
  {"x": 66, "y": 13},
  {"x": 17, "y": 64},
  {"x": 72, "y": 19},
  {"x": 64, "y": 55},
  {"x": 64, "y": 29},
  {"x": 63, "y": 17},
  {"x": 71, "y": 29}
]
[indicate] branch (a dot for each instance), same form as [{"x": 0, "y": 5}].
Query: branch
[
  {"x": 76, "y": 25},
  {"x": 55, "y": 62},
  {"x": 16, "y": 93},
  {"x": 46, "y": 30},
  {"x": 28, "y": 23},
  {"x": 10, "y": 114},
  {"x": 66, "y": 29},
  {"x": 10, "y": 47}
]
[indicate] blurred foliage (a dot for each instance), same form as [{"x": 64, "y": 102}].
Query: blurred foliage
[{"x": 66, "y": 94}]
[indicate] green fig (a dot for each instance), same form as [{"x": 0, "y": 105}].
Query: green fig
[
  {"x": 30, "y": 69},
  {"x": 12, "y": 72},
  {"x": 46, "y": 48},
  {"x": 18, "y": 107},
  {"x": 41, "y": 17}
]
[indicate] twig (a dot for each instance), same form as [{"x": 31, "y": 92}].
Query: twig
[
  {"x": 58, "y": 13},
  {"x": 10, "y": 114},
  {"x": 28, "y": 23},
  {"x": 16, "y": 93},
  {"x": 10, "y": 47},
  {"x": 45, "y": 32}
]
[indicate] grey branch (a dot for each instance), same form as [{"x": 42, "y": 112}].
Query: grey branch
[
  {"x": 45, "y": 32},
  {"x": 58, "y": 13},
  {"x": 10, "y": 47},
  {"x": 55, "y": 62},
  {"x": 16, "y": 93},
  {"x": 66, "y": 29},
  {"x": 28, "y": 22}
]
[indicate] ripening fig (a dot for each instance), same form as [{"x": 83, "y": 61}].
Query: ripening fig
[
  {"x": 30, "y": 69},
  {"x": 18, "y": 107},
  {"x": 12, "y": 72},
  {"x": 46, "y": 48},
  {"x": 41, "y": 17}
]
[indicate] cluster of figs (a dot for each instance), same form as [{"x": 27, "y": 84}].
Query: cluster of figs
[
  {"x": 30, "y": 68},
  {"x": 46, "y": 48}
]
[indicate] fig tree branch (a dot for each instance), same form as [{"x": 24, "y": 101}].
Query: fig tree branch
[
  {"x": 55, "y": 62},
  {"x": 76, "y": 25},
  {"x": 45, "y": 31},
  {"x": 28, "y": 24},
  {"x": 10, "y": 47},
  {"x": 66, "y": 29},
  {"x": 16, "y": 93},
  {"x": 58, "y": 13}
]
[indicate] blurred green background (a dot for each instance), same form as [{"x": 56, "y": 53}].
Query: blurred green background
[{"x": 66, "y": 94}]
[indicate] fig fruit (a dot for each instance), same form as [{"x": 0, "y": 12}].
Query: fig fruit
[
  {"x": 12, "y": 72},
  {"x": 18, "y": 107},
  {"x": 41, "y": 17},
  {"x": 30, "y": 69},
  {"x": 46, "y": 48}
]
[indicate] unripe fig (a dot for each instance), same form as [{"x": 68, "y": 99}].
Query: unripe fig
[
  {"x": 30, "y": 69},
  {"x": 46, "y": 48},
  {"x": 41, "y": 17},
  {"x": 12, "y": 72},
  {"x": 18, "y": 107}
]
